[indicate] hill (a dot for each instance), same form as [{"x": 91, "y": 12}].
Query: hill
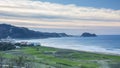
[
  {"x": 22, "y": 32},
  {"x": 86, "y": 34}
]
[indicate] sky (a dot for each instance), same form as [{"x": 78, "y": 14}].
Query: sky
[{"x": 70, "y": 16}]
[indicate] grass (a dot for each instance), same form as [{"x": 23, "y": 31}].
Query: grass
[{"x": 55, "y": 57}]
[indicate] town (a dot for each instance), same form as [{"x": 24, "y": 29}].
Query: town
[{"x": 9, "y": 43}]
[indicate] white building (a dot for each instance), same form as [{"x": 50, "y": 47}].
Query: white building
[{"x": 8, "y": 40}]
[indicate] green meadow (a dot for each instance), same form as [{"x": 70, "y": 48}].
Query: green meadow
[{"x": 48, "y": 57}]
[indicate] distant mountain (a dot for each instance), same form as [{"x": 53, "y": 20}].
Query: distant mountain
[
  {"x": 86, "y": 34},
  {"x": 22, "y": 32}
]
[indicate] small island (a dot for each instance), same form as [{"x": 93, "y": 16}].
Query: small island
[{"x": 86, "y": 34}]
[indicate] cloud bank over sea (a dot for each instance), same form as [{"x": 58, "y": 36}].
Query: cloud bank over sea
[{"x": 38, "y": 14}]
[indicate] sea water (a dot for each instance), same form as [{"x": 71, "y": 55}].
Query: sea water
[{"x": 101, "y": 44}]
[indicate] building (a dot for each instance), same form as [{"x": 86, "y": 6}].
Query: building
[{"x": 8, "y": 40}]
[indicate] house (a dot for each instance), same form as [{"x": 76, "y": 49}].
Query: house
[
  {"x": 8, "y": 40},
  {"x": 17, "y": 47},
  {"x": 33, "y": 44}
]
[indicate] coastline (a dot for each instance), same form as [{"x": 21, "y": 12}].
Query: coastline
[
  {"x": 65, "y": 58},
  {"x": 100, "y": 44},
  {"x": 105, "y": 53}
]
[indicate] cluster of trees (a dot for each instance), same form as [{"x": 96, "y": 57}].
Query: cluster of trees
[
  {"x": 9, "y": 46},
  {"x": 19, "y": 61},
  {"x": 6, "y": 46}
]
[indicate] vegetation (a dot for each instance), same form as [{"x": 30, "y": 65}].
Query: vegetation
[
  {"x": 22, "y": 32},
  {"x": 6, "y": 46},
  {"x": 47, "y": 57}
]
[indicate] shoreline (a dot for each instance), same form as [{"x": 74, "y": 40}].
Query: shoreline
[
  {"x": 105, "y": 53},
  {"x": 66, "y": 58},
  {"x": 69, "y": 44}
]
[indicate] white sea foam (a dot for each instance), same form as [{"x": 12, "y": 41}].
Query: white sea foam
[
  {"x": 95, "y": 49},
  {"x": 66, "y": 45}
]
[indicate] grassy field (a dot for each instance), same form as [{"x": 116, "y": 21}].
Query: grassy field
[{"x": 47, "y": 57}]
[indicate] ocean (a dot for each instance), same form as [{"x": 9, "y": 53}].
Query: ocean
[{"x": 102, "y": 44}]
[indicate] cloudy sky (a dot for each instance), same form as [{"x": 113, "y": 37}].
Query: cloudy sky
[{"x": 69, "y": 16}]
